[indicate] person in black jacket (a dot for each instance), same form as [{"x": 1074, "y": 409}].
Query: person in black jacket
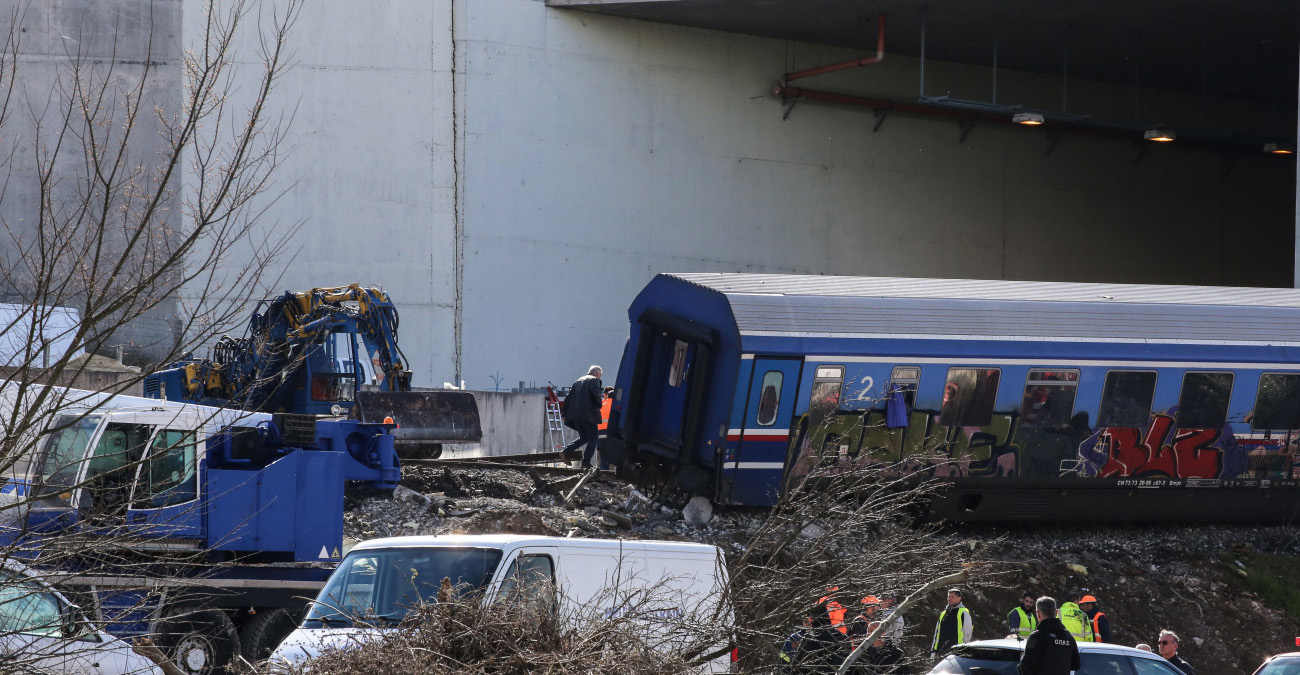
[
  {"x": 823, "y": 647},
  {"x": 1168, "y": 644},
  {"x": 582, "y": 413},
  {"x": 1051, "y": 649}
]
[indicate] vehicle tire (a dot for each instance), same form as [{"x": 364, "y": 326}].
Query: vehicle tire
[
  {"x": 264, "y": 632},
  {"x": 199, "y": 641}
]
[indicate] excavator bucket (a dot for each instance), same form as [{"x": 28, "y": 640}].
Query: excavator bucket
[{"x": 425, "y": 419}]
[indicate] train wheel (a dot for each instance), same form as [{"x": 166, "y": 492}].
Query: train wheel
[
  {"x": 264, "y": 632},
  {"x": 199, "y": 641}
]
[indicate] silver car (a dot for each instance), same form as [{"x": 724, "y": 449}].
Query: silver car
[
  {"x": 1000, "y": 657},
  {"x": 40, "y": 631},
  {"x": 1281, "y": 664}
]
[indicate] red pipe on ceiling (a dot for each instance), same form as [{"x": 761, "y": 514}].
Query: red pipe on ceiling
[{"x": 844, "y": 65}]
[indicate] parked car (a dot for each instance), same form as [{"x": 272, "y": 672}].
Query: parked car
[
  {"x": 1000, "y": 657},
  {"x": 1280, "y": 664},
  {"x": 378, "y": 580},
  {"x": 41, "y": 632}
]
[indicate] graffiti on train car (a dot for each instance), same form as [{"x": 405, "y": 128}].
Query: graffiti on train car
[{"x": 1006, "y": 448}]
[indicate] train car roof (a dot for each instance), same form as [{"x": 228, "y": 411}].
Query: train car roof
[{"x": 780, "y": 305}]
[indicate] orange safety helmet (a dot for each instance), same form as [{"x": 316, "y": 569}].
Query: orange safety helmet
[{"x": 1087, "y": 598}]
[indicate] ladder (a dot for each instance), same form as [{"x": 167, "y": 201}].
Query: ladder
[{"x": 556, "y": 432}]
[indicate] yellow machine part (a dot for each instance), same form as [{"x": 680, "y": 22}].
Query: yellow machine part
[{"x": 307, "y": 302}]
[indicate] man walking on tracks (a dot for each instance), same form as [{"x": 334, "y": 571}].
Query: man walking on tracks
[
  {"x": 1050, "y": 650},
  {"x": 582, "y": 414}
]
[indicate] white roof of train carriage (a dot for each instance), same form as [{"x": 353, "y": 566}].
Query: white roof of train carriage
[{"x": 776, "y": 305}]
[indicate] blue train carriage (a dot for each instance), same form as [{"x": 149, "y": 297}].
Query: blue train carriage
[{"x": 1035, "y": 401}]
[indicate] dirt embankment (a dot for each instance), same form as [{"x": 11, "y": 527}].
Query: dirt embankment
[{"x": 1194, "y": 580}]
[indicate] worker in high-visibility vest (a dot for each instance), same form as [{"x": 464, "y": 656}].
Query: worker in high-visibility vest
[
  {"x": 1077, "y": 622},
  {"x": 954, "y": 625},
  {"x": 1100, "y": 623},
  {"x": 1022, "y": 619},
  {"x": 605, "y": 407}
]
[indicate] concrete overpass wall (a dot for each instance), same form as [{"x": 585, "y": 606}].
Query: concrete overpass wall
[
  {"x": 582, "y": 154},
  {"x": 114, "y": 49}
]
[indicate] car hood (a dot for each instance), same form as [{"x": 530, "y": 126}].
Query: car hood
[
  {"x": 111, "y": 656},
  {"x": 116, "y": 656},
  {"x": 305, "y": 643}
]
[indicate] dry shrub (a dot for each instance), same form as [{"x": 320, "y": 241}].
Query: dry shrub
[
  {"x": 466, "y": 637},
  {"x": 848, "y": 524}
]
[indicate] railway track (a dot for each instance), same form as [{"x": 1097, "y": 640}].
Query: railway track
[{"x": 533, "y": 460}]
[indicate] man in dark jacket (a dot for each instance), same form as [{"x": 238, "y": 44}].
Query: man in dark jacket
[
  {"x": 824, "y": 647},
  {"x": 881, "y": 658},
  {"x": 1168, "y": 648},
  {"x": 1051, "y": 649},
  {"x": 582, "y": 413}
]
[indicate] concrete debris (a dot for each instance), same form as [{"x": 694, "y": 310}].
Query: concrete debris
[
  {"x": 617, "y": 518},
  {"x": 405, "y": 494},
  {"x": 812, "y": 531},
  {"x": 698, "y": 511}
]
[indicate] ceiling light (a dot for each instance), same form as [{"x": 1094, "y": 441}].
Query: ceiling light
[
  {"x": 1278, "y": 148},
  {"x": 1027, "y": 118},
  {"x": 1159, "y": 135}
]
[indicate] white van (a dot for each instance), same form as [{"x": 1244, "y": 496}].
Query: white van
[
  {"x": 591, "y": 579},
  {"x": 41, "y": 632}
]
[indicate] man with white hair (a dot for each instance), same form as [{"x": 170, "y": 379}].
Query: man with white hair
[
  {"x": 1168, "y": 646},
  {"x": 582, "y": 414}
]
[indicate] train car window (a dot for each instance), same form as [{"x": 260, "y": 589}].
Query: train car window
[
  {"x": 828, "y": 382},
  {"x": 906, "y": 379},
  {"x": 677, "y": 369},
  {"x": 1049, "y": 398},
  {"x": 1126, "y": 399},
  {"x": 1203, "y": 403},
  {"x": 1277, "y": 405},
  {"x": 769, "y": 397},
  {"x": 968, "y": 397}
]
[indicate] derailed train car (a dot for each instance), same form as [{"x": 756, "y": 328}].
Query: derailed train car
[{"x": 1035, "y": 401}]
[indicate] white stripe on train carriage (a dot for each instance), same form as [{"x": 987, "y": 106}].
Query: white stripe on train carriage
[
  {"x": 746, "y": 357},
  {"x": 1054, "y": 363},
  {"x": 1013, "y": 338},
  {"x": 760, "y": 465}
]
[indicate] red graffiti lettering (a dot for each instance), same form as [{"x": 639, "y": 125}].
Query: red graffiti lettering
[
  {"x": 1196, "y": 457},
  {"x": 1124, "y": 453},
  {"x": 1189, "y": 455}
]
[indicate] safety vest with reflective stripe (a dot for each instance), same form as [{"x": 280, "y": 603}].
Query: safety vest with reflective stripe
[
  {"x": 1027, "y": 624},
  {"x": 963, "y": 614},
  {"x": 1096, "y": 627},
  {"x": 1076, "y": 621}
]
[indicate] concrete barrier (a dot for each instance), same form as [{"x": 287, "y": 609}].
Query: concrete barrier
[{"x": 513, "y": 423}]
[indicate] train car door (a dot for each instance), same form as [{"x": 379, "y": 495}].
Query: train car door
[
  {"x": 762, "y": 440},
  {"x": 667, "y": 393}
]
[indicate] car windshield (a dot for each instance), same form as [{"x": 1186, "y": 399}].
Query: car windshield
[
  {"x": 62, "y": 453},
  {"x": 1284, "y": 665},
  {"x": 380, "y": 585}
]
